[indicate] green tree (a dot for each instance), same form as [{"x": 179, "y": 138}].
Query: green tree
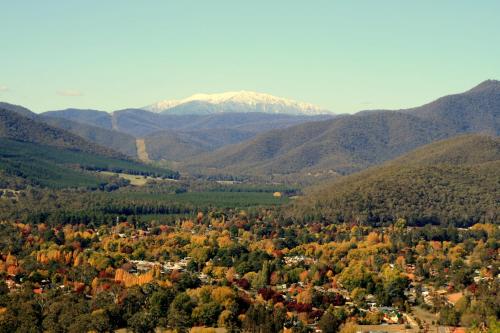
[
  {"x": 179, "y": 313},
  {"x": 159, "y": 302},
  {"x": 207, "y": 314},
  {"x": 141, "y": 322},
  {"x": 448, "y": 316},
  {"x": 331, "y": 320}
]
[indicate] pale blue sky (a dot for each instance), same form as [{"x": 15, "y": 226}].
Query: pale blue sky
[{"x": 342, "y": 55}]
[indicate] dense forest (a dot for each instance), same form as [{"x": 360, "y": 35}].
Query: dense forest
[
  {"x": 454, "y": 182},
  {"x": 24, "y": 163}
]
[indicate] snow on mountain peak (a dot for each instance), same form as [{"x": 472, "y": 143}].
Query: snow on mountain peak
[{"x": 235, "y": 101}]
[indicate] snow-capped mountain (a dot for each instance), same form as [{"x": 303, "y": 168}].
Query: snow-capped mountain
[{"x": 236, "y": 101}]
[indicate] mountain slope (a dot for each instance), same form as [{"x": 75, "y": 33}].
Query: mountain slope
[
  {"x": 343, "y": 145},
  {"x": 17, "y": 127},
  {"x": 18, "y": 109},
  {"x": 451, "y": 181},
  {"x": 89, "y": 117},
  {"x": 181, "y": 145},
  {"x": 142, "y": 123},
  {"x": 170, "y": 137},
  {"x": 35, "y": 153},
  {"x": 236, "y": 102},
  {"x": 114, "y": 140},
  {"x": 26, "y": 163},
  {"x": 350, "y": 143},
  {"x": 118, "y": 141},
  {"x": 476, "y": 110}
]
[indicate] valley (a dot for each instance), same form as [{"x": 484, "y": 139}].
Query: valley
[{"x": 263, "y": 222}]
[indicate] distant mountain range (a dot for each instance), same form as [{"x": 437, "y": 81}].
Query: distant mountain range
[
  {"x": 350, "y": 143},
  {"x": 286, "y": 140},
  {"x": 162, "y": 130},
  {"x": 235, "y": 102},
  {"x": 450, "y": 181}
]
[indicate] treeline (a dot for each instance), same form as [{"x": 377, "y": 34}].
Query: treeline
[{"x": 59, "y": 207}]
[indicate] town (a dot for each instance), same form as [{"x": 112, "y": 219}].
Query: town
[{"x": 222, "y": 272}]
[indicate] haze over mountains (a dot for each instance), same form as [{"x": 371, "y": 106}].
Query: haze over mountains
[{"x": 222, "y": 135}]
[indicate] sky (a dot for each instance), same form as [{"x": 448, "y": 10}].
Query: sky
[{"x": 344, "y": 56}]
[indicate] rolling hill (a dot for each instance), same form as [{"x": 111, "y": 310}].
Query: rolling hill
[
  {"x": 454, "y": 181},
  {"x": 351, "y": 143}
]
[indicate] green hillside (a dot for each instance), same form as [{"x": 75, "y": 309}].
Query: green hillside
[
  {"x": 117, "y": 141},
  {"x": 18, "y": 127},
  {"x": 455, "y": 181},
  {"x": 24, "y": 163}
]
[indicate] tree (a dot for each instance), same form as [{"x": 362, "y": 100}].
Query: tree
[
  {"x": 260, "y": 319},
  {"x": 262, "y": 279},
  {"x": 179, "y": 313},
  {"x": 159, "y": 303},
  {"x": 349, "y": 327},
  {"x": 99, "y": 321},
  {"x": 133, "y": 302},
  {"x": 141, "y": 322},
  {"x": 448, "y": 316},
  {"x": 356, "y": 275},
  {"x": 8, "y": 322},
  {"x": 331, "y": 320},
  {"x": 207, "y": 314}
]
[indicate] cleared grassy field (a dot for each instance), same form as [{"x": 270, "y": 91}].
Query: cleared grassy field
[
  {"x": 135, "y": 180},
  {"x": 210, "y": 199}
]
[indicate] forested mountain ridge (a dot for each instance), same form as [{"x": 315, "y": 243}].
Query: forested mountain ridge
[
  {"x": 351, "y": 143},
  {"x": 17, "y": 127},
  {"x": 176, "y": 137},
  {"x": 118, "y": 141},
  {"x": 87, "y": 116},
  {"x": 108, "y": 138},
  {"x": 476, "y": 110},
  {"x": 182, "y": 145},
  {"x": 25, "y": 163},
  {"x": 454, "y": 181},
  {"x": 35, "y": 153},
  {"x": 18, "y": 109}
]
